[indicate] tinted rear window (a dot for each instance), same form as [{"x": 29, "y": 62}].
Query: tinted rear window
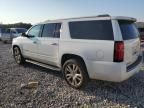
[
  {"x": 141, "y": 29},
  {"x": 128, "y": 30},
  {"x": 99, "y": 30}
]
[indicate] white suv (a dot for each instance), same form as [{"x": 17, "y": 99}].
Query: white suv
[{"x": 100, "y": 47}]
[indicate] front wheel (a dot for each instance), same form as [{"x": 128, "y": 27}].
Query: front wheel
[
  {"x": 18, "y": 56},
  {"x": 75, "y": 73},
  {"x": 5, "y": 42}
]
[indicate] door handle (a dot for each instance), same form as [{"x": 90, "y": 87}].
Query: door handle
[
  {"x": 54, "y": 44},
  {"x": 35, "y": 42}
]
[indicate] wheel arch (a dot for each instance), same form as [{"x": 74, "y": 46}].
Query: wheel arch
[
  {"x": 73, "y": 56},
  {"x": 13, "y": 46}
]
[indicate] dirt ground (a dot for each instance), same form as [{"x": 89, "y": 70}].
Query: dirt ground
[{"x": 53, "y": 92}]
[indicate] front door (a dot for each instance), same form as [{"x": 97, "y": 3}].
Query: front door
[{"x": 30, "y": 44}]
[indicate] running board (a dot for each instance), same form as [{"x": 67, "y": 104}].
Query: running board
[{"x": 43, "y": 65}]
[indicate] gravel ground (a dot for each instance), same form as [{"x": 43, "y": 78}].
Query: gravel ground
[{"x": 53, "y": 92}]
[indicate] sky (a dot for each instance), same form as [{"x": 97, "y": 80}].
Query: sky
[{"x": 34, "y": 11}]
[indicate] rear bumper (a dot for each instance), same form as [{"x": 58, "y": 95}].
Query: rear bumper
[{"x": 110, "y": 71}]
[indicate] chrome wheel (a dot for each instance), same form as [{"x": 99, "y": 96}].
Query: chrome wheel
[
  {"x": 73, "y": 75},
  {"x": 17, "y": 55}
]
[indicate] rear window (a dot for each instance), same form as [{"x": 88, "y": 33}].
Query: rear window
[
  {"x": 128, "y": 30},
  {"x": 141, "y": 29},
  {"x": 98, "y": 30}
]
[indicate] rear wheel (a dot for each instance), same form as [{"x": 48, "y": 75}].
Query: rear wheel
[
  {"x": 75, "y": 74},
  {"x": 18, "y": 56}
]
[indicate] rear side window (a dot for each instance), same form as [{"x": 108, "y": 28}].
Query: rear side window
[
  {"x": 98, "y": 30},
  {"x": 128, "y": 30},
  {"x": 51, "y": 30}
]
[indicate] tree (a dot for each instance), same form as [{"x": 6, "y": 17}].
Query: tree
[
  {"x": 140, "y": 24},
  {"x": 16, "y": 25}
]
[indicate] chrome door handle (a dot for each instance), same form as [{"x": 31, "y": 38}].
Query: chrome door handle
[
  {"x": 35, "y": 42},
  {"x": 55, "y": 44}
]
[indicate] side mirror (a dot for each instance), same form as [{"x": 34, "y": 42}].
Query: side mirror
[
  {"x": 24, "y": 35},
  {"x": 28, "y": 36}
]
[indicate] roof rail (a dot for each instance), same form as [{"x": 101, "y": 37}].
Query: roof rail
[{"x": 104, "y": 15}]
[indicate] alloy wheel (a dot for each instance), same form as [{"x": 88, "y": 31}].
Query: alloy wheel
[
  {"x": 73, "y": 75},
  {"x": 17, "y": 55}
]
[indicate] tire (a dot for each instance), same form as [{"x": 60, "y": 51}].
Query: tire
[
  {"x": 5, "y": 42},
  {"x": 18, "y": 56},
  {"x": 75, "y": 73}
]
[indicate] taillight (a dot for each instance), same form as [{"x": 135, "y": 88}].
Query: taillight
[{"x": 119, "y": 51}]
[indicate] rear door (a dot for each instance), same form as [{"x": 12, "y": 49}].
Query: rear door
[
  {"x": 131, "y": 39},
  {"x": 49, "y": 43}
]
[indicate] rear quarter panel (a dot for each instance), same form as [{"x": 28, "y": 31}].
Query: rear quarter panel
[{"x": 91, "y": 50}]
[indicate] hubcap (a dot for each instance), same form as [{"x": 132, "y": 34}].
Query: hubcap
[
  {"x": 73, "y": 75},
  {"x": 17, "y": 55}
]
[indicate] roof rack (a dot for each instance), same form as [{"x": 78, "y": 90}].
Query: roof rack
[{"x": 103, "y": 15}]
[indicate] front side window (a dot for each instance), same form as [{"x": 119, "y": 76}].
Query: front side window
[
  {"x": 95, "y": 30},
  {"x": 35, "y": 31},
  {"x": 51, "y": 30}
]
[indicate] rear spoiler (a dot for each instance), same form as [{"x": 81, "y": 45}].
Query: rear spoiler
[{"x": 124, "y": 18}]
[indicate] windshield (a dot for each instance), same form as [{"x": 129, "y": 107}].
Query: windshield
[
  {"x": 128, "y": 30},
  {"x": 21, "y": 30}
]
